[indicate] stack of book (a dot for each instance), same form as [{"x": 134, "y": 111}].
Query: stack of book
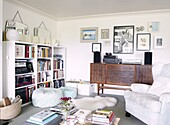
[
  {"x": 61, "y": 109},
  {"x": 103, "y": 117},
  {"x": 45, "y": 117}
]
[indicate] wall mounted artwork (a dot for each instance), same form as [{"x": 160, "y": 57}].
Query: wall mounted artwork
[{"x": 123, "y": 41}]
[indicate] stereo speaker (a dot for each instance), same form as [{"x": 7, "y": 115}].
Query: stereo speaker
[
  {"x": 97, "y": 57},
  {"x": 148, "y": 58}
]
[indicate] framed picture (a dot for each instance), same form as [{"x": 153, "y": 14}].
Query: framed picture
[
  {"x": 158, "y": 43},
  {"x": 96, "y": 47},
  {"x": 89, "y": 34},
  {"x": 143, "y": 41},
  {"x": 104, "y": 33},
  {"x": 123, "y": 41}
]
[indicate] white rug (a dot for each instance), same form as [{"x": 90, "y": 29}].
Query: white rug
[{"x": 93, "y": 103}]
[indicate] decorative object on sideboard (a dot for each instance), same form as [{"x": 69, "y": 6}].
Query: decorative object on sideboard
[
  {"x": 143, "y": 42},
  {"x": 89, "y": 34},
  {"x": 112, "y": 59},
  {"x": 123, "y": 39},
  {"x": 96, "y": 49}
]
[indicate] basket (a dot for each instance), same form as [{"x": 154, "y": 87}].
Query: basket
[{"x": 11, "y": 111}]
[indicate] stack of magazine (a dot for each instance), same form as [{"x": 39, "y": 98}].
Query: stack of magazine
[
  {"x": 45, "y": 117},
  {"x": 61, "y": 109}
]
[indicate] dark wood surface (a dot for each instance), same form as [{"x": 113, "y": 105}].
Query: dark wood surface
[{"x": 119, "y": 74}]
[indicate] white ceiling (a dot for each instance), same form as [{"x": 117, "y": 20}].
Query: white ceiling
[{"x": 60, "y": 9}]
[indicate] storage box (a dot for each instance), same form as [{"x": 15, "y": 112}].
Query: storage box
[{"x": 85, "y": 89}]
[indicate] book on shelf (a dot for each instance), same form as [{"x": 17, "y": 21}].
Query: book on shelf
[
  {"x": 47, "y": 121},
  {"x": 42, "y": 115}
]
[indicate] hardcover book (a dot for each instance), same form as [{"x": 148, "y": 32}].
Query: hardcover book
[
  {"x": 19, "y": 51},
  {"x": 41, "y": 116}
]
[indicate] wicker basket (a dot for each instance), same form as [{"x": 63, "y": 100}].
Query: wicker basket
[{"x": 11, "y": 111}]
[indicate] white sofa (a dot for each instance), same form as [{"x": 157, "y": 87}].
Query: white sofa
[{"x": 151, "y": 103}]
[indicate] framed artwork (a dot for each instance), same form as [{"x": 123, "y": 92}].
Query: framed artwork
[
  {"x": 153, "y": 26},
  {"x": 123, "y": 41},
  {"x": 158, "y": 43},
  {"x": 96, "y": 47},
  {"x": 143, "y": 41},
  {"x": 104, "y": 33},
  {"x": 89, "y": 34}
]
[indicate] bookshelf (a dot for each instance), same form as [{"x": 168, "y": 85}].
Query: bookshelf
[
  {"x": 59, "y": 66},
  {"x": 27, "y": 66}
]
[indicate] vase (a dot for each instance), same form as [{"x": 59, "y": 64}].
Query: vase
[{"x": 12, "y": 35}]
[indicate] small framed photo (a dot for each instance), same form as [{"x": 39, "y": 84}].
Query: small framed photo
[
  {"x": 104, "y": 33},
  {"x": 89, "y": 34},
  {"x": 96, "y": 47},
  {"x": 143, "y": 42},
  {"x": 158, "y": 43}
]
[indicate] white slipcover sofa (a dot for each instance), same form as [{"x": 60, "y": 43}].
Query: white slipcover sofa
[{"x": 151, "y": 103}]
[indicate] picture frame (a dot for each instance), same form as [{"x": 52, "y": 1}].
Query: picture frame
[
  {"x": 89, "y": 34},
  {"x": 104, "y": 33},
  {"x": 96, "y": 47},
  {"x": 143, "y": 42},
  {"x": 158, "y": 42},
  {"x": 123, "y": 39}
]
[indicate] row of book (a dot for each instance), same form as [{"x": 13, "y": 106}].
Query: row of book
[
  {"x": 44, "y": 117},
  {"x": 58, "y": 74},
  {"x": 43, "y": 65},
  {"x": 24, "y": 80},
  {"x": 103, "y": 117},
  {"x": 45, "y": 85},
  {"x": 43, "y": 77},
  {"x": 58, "y": 64},
  {"x": 25, "y": 93},
  {"x": 59, "y": 83},
  {"x": 44, "y": 52},
  {"x": 24, "y": 51}
]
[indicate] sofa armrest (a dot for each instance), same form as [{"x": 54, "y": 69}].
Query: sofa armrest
[
  {"x": 165, "y": 97},
  {"x": 139, "y": 87}
]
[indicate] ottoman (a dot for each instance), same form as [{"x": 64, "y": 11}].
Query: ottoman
[
  {"x": 69, "y": 92},
  {"x": 46, "y": 97}
]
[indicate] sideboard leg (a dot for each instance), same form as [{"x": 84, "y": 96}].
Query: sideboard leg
[{"x": 98, "y": 88}]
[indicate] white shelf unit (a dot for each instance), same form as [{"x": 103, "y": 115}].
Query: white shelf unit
[
  {"x": 15, "y": 81},
  {"x": 44, "y": 65},
  {"x": 9, "y": 63},
  {"x": 59, "y": 69}
]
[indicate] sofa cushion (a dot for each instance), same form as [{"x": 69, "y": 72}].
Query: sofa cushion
[
  {"x": 145, "y": 99},
  {"x": 160, "y": 85}
]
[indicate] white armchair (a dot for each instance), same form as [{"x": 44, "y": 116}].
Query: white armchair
[{"x": 151, "y": 103}]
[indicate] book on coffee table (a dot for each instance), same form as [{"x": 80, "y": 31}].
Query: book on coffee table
[
  {"x": 41, "y": 116},
  {"x": 47, "y": 121}
]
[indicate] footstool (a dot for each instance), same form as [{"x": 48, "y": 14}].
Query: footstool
[
  {"x": 46, "y": 97},
  {"x": 69, "y": 91}
]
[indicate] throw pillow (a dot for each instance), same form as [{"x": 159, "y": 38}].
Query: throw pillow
[
  {"x": 6, "y": 101},
  {"x": 160, "y": 86}
]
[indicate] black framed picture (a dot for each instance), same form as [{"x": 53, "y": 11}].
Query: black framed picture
[
  {"x": 96, "y": 47},
  {"x": 123, "y": 39},
  {"x": 143, "y": 42}
]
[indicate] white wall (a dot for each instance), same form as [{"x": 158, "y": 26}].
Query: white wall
[
  {"x": 1, "y": 9},
  {"x": 79, "y": 55},
  {"x": 30, "y": 18}
]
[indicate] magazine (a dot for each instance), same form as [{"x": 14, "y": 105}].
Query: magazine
[
  {"x": 45, "y": 122},
  {"x": 41, "y": 116}
]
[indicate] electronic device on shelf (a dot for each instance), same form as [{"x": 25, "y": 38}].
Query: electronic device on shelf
[
  {"x": 132, "y": 61},
  {"x": 112, "y": 59}
]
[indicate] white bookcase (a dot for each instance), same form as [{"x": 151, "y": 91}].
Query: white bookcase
[{"x": 38, "y": 69}]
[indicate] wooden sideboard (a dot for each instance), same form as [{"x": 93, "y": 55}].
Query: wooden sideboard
[{"x": 119, "y": 74}]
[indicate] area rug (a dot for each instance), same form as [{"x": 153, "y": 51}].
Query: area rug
[{"x": 93, "y": 103}]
